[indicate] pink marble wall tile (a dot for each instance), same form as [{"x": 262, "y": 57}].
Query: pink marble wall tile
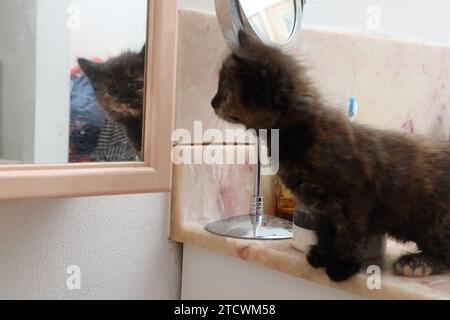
[
  {"x": 398, "y": 85},
  {"x": 201, "y": 52},
  {"x": 205, "y": 192}
]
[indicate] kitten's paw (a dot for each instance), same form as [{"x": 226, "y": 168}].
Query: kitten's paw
[
  {"x": 339, "y": 270},
  {"x": 317, "y": 258},
  {"x": 414, "y": 265}
]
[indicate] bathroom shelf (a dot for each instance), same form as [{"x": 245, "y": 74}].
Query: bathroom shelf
[{"x": 281, "y": 256}]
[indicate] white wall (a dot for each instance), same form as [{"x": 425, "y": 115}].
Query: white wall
[
  {"x": 230, "y": 278},
  {"x": 120, "y": 243},
  {"x": 426, "y": 21}
]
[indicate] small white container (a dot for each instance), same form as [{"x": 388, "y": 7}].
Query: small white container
[{"x": 304, "y": 237}]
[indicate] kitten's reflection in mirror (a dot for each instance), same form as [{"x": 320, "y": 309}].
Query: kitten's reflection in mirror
[{"x": 118, "y": 85}]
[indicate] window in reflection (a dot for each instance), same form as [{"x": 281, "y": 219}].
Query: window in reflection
[{"x": 271, "y": 19}]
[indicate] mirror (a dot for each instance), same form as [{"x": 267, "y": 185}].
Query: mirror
[
  {"x": 272, "y": 20},
  {"x": 72, "y": 80},
  {"x": 275, "y": 22}
]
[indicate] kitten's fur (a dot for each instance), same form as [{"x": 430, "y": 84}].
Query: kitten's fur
[
  {"x": 119, "y": 89},
  {"x": 355, "y": 180}
]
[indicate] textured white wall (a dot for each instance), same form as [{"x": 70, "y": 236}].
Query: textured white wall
[
  {"x": 419, "y": 20},
  {"x": 120, "y": 243}
]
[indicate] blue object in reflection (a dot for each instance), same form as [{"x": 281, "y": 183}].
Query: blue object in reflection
[{"x": 86, "y": 120}]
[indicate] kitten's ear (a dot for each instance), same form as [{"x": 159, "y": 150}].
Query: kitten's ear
[
  {"x": 142, "y": 54},
  {"x": 245, "y": 40},
  {"x": 255, "y": 81},
  {"x": 91, "y": 69},
  {"x": 245, "y": 63}
]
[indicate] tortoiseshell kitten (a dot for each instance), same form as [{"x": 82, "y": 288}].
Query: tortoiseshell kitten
[
  {"x": 119, "y": 89},
  {"x": 355, "y": 180}
]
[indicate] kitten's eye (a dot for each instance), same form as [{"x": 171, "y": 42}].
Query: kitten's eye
[
  {"x": 136, "y": 85},
  {"x": 113, "y": 91}
]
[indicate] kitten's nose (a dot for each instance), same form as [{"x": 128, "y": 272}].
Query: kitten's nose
[{"x": 215, "y": 102}]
